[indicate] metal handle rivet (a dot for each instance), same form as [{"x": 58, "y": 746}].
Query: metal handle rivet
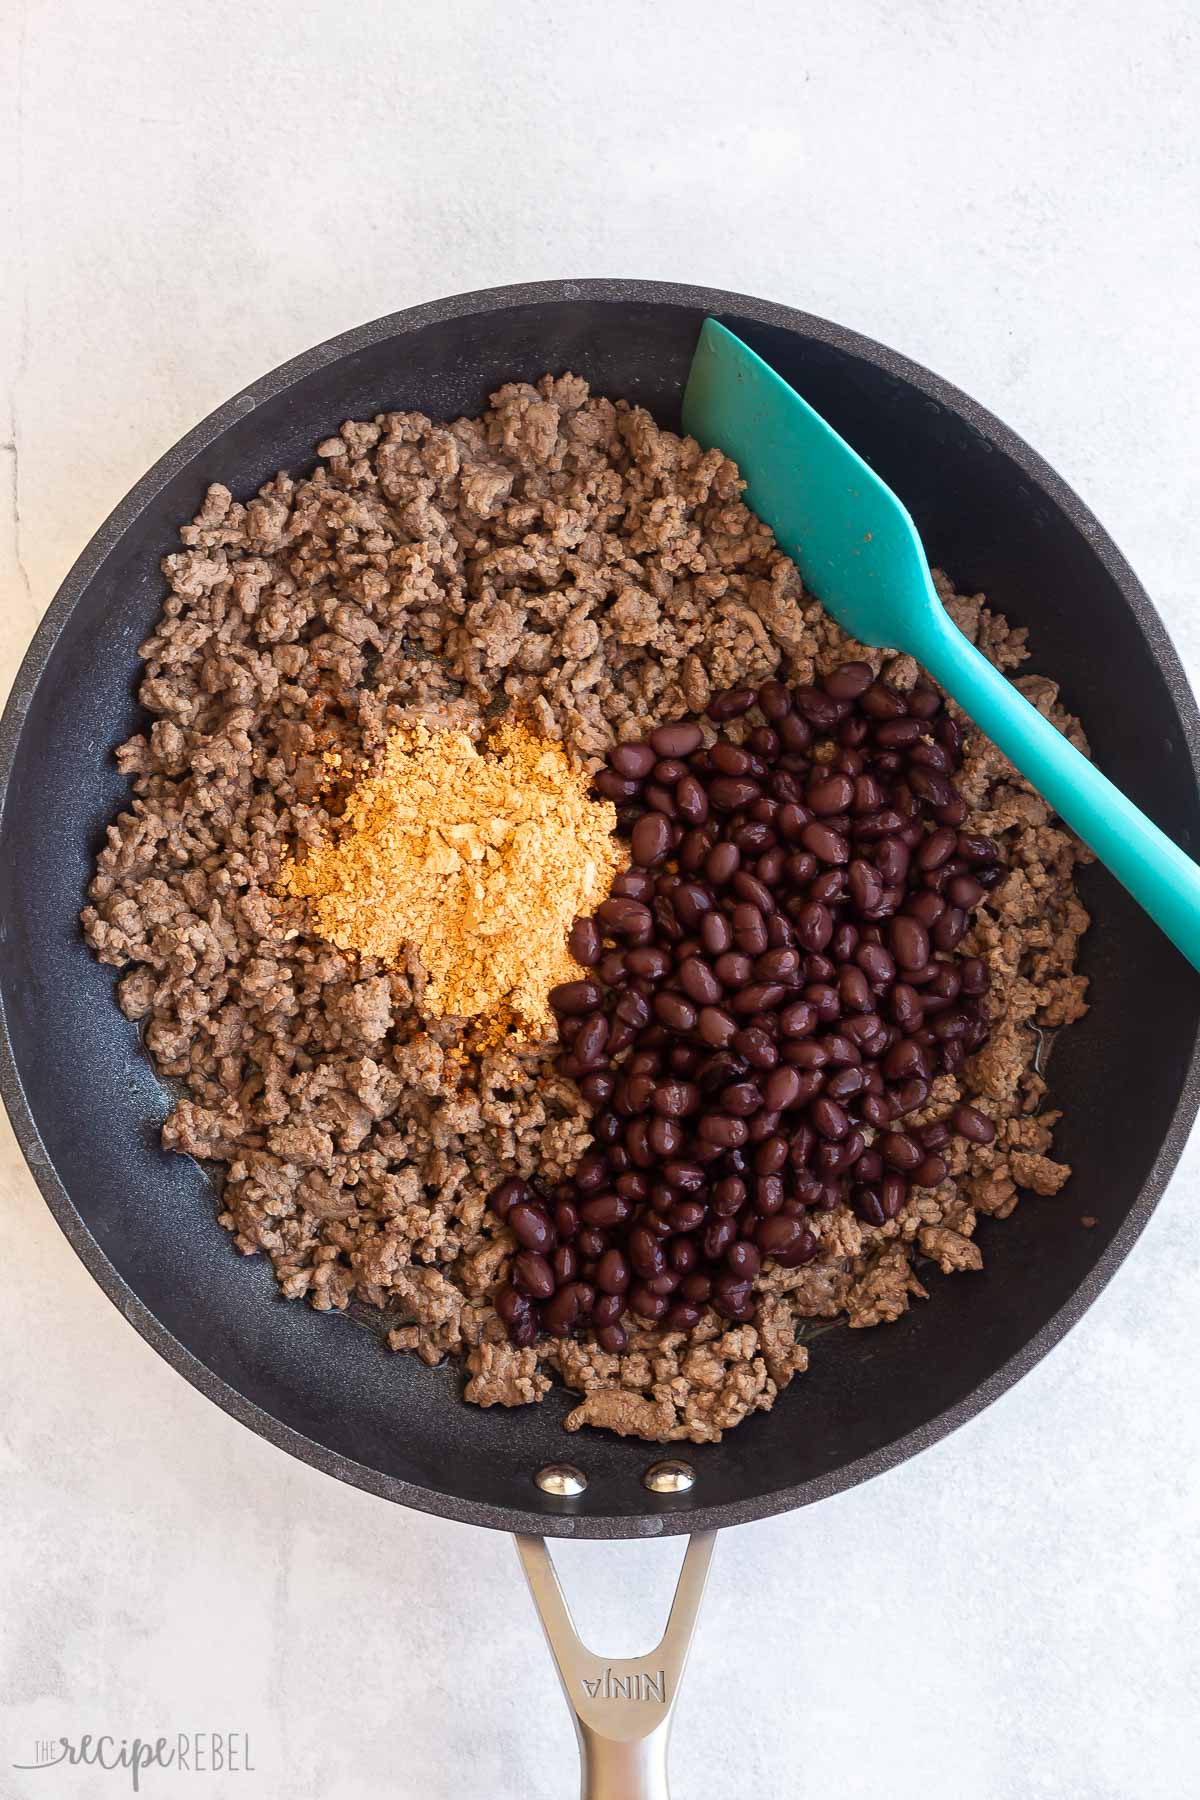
[
  {"x": 670, "y": 1477},
  {"x": 561, "y": 1479}
]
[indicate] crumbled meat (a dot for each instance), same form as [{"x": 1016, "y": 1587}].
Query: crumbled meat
[
  {"x": 565, "y": 557},
  {"x": 502, "y": 1375}
]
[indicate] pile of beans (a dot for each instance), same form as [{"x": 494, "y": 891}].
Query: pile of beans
[{"x": 771, "y": 988}]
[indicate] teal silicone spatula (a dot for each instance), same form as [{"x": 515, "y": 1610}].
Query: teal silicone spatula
[{"x": 858, "y": 552}]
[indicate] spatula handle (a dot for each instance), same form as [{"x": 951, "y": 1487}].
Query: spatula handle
[{"x": 1159, "y": 875}]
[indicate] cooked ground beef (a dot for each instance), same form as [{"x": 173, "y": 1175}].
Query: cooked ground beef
[{"x": 564, "y": 556}]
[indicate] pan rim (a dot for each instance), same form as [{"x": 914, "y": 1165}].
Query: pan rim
[{"x": 666, "y": 1519}]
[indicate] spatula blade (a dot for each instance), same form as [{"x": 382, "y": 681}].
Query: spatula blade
[{"x": 854, "y": 543}]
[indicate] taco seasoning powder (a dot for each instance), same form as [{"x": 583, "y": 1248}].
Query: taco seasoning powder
[{"x": 479, "y": 857}]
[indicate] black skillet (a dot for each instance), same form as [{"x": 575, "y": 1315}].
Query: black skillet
[{"x": 87, "y": 1108}]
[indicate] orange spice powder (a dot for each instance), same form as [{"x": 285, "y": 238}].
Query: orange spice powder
[{"x": 480, "y": 857}]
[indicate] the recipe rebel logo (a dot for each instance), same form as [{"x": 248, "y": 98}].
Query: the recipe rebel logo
[{"x": 185, "y": 1752}]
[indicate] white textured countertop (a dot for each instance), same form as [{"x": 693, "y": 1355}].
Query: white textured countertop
[{"x": 1008, "y": 192}]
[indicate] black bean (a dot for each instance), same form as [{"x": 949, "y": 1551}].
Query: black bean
[
  {"x": 612, "y": 1272},
  {"x": 648, "y": 960},
  {"x": 769, "y": 1194},
  {"x": 795, "y": 735},
  {"x": 716, "y": 933},
  {"x": 909, "y": 942},
  {"x": 638, "y": 1147},
  {"x": 825, "y": 999},
  {"x": 844, "y": 1084},
  {"x": 931, "y": 787},
  {"x": 827, "y": 887},
  {"x": 566, "y": 1219},
  {"x": 950, "y": 929},
  {"x": 691, "y": 900},
  {"x": 759, "y": 996},
  {"x": 869, "y": 1205},
  {"x": 876, "y": 963},
  {"x": 683, "y": 1254},
  {"x": 954, "y": 812},
  {"x": 728, "y": 1196},
  {"x": 881, "y": 701},
  {"x": 647, "y": 1304},
  {"x": 508, "y": 1194},
  {"x": 717, "y": 1026},
  {"x": 974, "y": 848},
  {"x": 650, "y": 842},
  {"x": 931, "y": 756},
  {"x": 819, "y": 709},
  {"x": 676, "y": 740},
  {"x": 532, "y": 1275},
  {"x": 665, "y": 1137},
  {"x": 964, "y": 891},
  {"x": 634, "y": 761},
  {"x": 972, "y": 1124},
  {"x": 798, "y": 1019},
  {"x": 930, "y": 1170},
  {"x": 721, "y": 862},
  {"x": 675, "y": 1099},
  {"x": 829, "y": 1119},
  {"x": 511, "y": 1305},
  {"x": 826, "y": 844},
  {"x": 632, "y": 1096},
  {"x": 625, "y": 918},
  {"x": 530, "y": 1225},
  {"x": 771, "y": 1155},
  {"x": 899, "y": 1151},
  {"x": 730, "y": 792},
  {"x": 612, "y": 786},
  {"x": 830, "y": 794},
  {"x": 926, "y": 907},
  {"x": 749, "y": 929},
  {"x": 974, "y": 974},
  {"x": 814, "y": 926},
  {"x": 756, "y": 893},
  {"x": 565, "y": 1263},
  {"x": 676, "y": 1013},
  {"x": 897, "y": 733},
  {"x": 854, "y": 989},
  {"x": 848, "y": 681},
  {"x": 575, "y": 996},
  {"x": 866, "y": 888},
  {"x": 723, "y": 964},
  {"x": 591, "y": 1041},
  {"x": 774, "y": 701},
  {"x": 585, "y": 943},
  {"x": 743, "y": 1260},
  {"x": 612, "y": 1338},
  {"x": 633, "y": 884},
  {"x": 722, "y": 1129},
  {"x": 698, "y": 981},
  {"x": 874, "y": 826},
  {"x": 730, "y": 759},
  {"x": 730, "y": 703},
  {"x": 754, "y": 837},
  {"x": 605, "y": 1211},
  {"x": 904, "y": 1059},
  {"x": 742, "y": 1098},
  {"x": 719, "y": 1234}
]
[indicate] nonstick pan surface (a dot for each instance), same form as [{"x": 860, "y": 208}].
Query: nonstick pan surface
[{"x": 87, "y": 1108}]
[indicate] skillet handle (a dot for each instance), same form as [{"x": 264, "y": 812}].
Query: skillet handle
[{"x": 622, "y": 1707}]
